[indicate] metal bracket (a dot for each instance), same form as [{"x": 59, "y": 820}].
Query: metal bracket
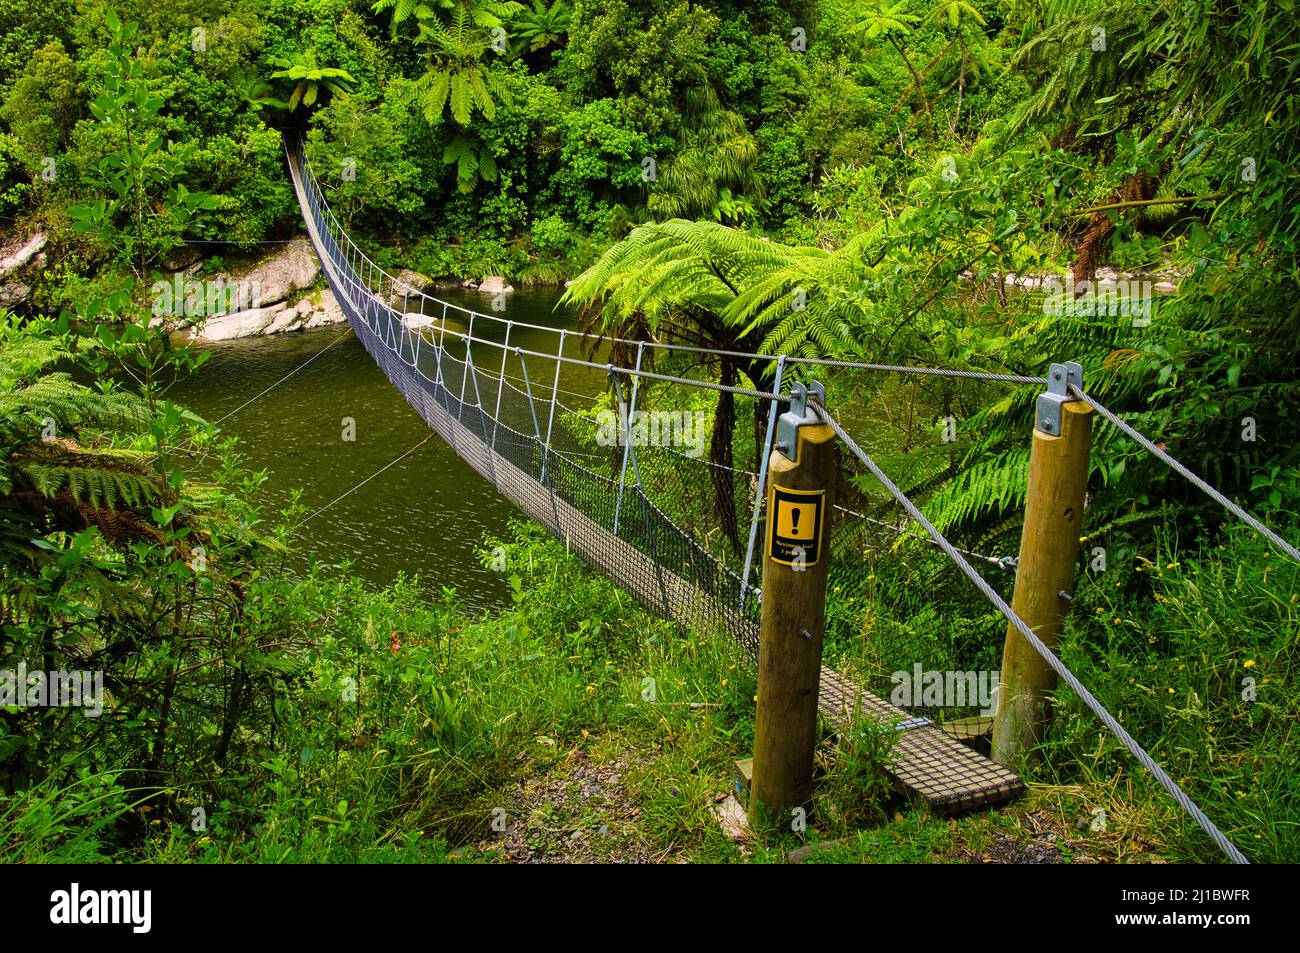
[
  {"x": 799, "y": 415},
  {"x": 1059, "y": 379}
]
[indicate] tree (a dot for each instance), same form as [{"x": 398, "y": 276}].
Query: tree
[
  {"x": 311, "y": 81},
  {"x": 456, "y": 78},
  {"x": 144, "y": 206},
  {"x": 718, "y": 154},
  {"x": 542, "y": 25},
  {"x": 55, "y": 469},
  {"x": 682, "y": 281},
  {"x": 43, "y": 105}
]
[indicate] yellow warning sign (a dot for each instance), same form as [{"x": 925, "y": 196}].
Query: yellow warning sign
[{"x": 795, "y": 522}]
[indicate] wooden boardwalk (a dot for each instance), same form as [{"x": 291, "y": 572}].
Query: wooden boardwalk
[{"x": 928, "y": 763}]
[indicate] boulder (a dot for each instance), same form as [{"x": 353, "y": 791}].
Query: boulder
[
  {"x": 17, "y": 256},
  {"x": 286, "y": 320},
  {"x": 21, "y": 255},
  {"x": 291, "y": 267},
  {"x": 182, "y": 258},
  {"x": 237, "y": 324},
  {"x": 268, "y": 286},
  {"x": 495, "y": 285},
  {"x": 414, "y": 319},
  {"x": 327, "y": 310},
  {"x": 14, "y": 294},
  {"x": 412, "y": 281}
]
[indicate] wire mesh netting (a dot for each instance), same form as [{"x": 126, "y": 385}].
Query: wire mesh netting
[
  {"x": 658, "y": 480},
  {"x": 572, "y": 469},
  {"x": 666, "y": 470}
]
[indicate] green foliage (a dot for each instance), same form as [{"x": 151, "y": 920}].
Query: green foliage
[
  {"x": 717, "y": 155},
  {"x": 42, "y": 106},
  {"x": 642, "y": 55},
  {"x": 142, "y": 203},
  {"x": 541, "y": 25},
  {"x": 309, "y": 81},
  {"x": 456, "y": 79},
  {"x": 863, "y": 193}
]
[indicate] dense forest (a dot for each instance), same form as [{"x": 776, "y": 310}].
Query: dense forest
[{"x": 920, "y": 175}]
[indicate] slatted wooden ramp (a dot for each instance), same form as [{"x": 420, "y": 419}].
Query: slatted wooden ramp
[{"x": 928, "y": 762}]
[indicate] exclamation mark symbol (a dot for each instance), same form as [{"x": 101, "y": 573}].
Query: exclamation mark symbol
[{"x": 794, "y": 518}]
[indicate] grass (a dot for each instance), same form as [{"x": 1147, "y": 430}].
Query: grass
[{"x": 412, "y": 728}]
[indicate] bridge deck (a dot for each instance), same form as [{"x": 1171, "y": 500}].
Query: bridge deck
[{"x": 928, "y": 762}]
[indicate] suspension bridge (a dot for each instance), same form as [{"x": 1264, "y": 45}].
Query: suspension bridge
[{"x": 483, "y": 395}]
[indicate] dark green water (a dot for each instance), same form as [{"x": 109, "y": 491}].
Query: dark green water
[{"x": 424, "y": 516}]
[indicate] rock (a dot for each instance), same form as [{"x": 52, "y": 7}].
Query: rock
[
  {"x": 731, "y": 816},
  {"x": 412, "y": 281},
  {"x": 288, "y": 269},
  {"x": 181, "y": 259},
  {"x": 14, "y": 294},
  {"x": 495, "y": 285},
  {"x": 1164, "y": 287},
  {"x": 237, "y": 324},
  {"x": 469, "y": 283},
  {"x": 327, "y": 310},
  {"x": 801, "y": 854},
  {"x": 312, "y": 311},
  {"x": 414, "y": 319},
  {"x": 21, "y": 256},
  {"x": 286, "y": 320}
]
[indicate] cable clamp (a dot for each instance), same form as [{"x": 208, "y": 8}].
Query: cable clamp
[
  {"x": 799, "y": 415},
  {"x": 1059, "y": 379}
]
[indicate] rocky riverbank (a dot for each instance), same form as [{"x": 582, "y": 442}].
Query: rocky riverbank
[{"x": 283, "y": 291}]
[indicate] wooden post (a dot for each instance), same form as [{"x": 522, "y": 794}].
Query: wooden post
[
  {"x": 1049, "y": 549},
  {"x": 795, "y": 559}
]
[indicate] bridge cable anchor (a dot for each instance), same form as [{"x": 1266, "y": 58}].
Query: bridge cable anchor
[
  {"x": 1060, "y": 377},
  {"x": 799, "y": 415}
]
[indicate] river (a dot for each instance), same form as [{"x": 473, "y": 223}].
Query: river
[{"x": 427, "y": 514}]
